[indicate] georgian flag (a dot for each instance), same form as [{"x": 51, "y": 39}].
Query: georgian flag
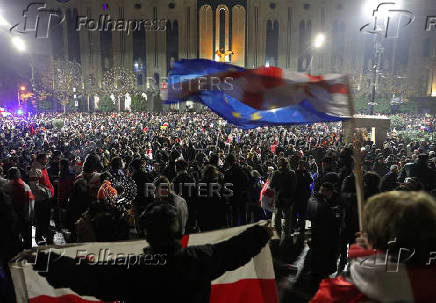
[
  {"x": 266, "y": 199},
  {"x": 254, "y": 282},
  {"x": 251, "y": 98}
]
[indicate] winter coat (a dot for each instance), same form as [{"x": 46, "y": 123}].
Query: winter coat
[
  {"x": 65, "y": 186},
  {"x": 284, "y": 183},
  {"x": 211, "y": 208}
]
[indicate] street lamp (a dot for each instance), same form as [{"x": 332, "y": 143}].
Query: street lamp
[
  {"x": 319, "y": 40},
  {"x": 380, "y": 11},
  {"x": 317, "y": 44},
  {"x": 19, "y": 44},
  {"x": 4, "y": 22}
]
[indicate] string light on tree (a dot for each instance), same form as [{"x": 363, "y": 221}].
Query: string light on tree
[
  {"x": 118, "y": 81},
  {"x": 62, "y": 81}
]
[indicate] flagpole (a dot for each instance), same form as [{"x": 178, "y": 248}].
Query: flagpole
[{"x": 358, "y": 174}]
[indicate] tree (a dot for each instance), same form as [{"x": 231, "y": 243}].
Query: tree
[
  {"x": 90, "y": 90},
  {"x": 45, "y": 105},
  {"x": 106, "y": 104},
  {"x": 118, "y": 81},
  {"x": 139, "y": 103},
  {"x": 63, "y": 81}
]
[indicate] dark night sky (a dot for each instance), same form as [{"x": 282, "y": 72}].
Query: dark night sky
[{"x": 14, "y": 66}]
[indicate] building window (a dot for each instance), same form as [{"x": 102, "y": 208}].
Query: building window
[
  {"x": 272, "y": 43},
  {"x": 272, "y": 5},
  {"x": 322, "y": 16},
  {"x": 138, "y": 6},
  {"x": 306, "y": 6},
  {"x": 338, "y": 45},
  {"x": 139, "y": 58},
  {"x": 140, "y": 80},
  {"x": 172, "y": 42},
  {"x": 426, "y": 48},
  {"x": 305, "y": 38},
  {"x": 73, "y": 36},
  {"x": 171, "y": 5}
]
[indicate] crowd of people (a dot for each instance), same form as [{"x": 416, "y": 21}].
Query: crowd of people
[{"x": 94, "y": 176}]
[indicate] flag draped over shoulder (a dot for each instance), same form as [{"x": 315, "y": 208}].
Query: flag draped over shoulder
[
  {"x": 254, "y": 282},
  {"x": 250, "y": 98}
]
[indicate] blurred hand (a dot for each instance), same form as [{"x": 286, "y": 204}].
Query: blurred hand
[{"x": 362, "y": 239}]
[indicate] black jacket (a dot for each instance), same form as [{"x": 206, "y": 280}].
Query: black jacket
[
  {"x": 181, "y": 274},
  {"x": 144, "y": 195},
  {"x": 239, "y": 181},
  {"x": 284, "y": 183}
]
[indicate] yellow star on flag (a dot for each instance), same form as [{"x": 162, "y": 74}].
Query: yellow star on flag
[
  {"x": 256, "y": 116},
  {"x": 236, "y": 115}
]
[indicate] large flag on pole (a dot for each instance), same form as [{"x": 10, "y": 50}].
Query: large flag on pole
[
  {"x": 250, "y": 98},
  {"x": 254, "y": 282}
]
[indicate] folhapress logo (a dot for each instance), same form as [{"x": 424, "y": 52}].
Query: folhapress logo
[
  {"x": 37, "y": 19},
  {"x": 388, "y": 20}
]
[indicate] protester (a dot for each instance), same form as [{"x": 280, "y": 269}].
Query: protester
[
  {"x": 325, "y": 212},
  {"x": 210, "y": 201},
  {"x": 18, "y": 194},
  {"x": 184, "y": 275},
  {"x": 44, "y": 191},
  {"x": 401, "y": 225},
  {"x": 164, "y": 194},
  {"x": 92, "y": 143}
]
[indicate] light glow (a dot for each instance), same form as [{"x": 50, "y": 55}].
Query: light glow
[
  {"x": 319, "y": 40},
  {"x": 19, "y": 44},
  {"x": 3, "y": 21}
]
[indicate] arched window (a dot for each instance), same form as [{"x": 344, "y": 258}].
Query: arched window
[
  {"x": 301, "y": 45},
  {"x": 222, "y": 27},
  {"x": 73, "y": 36},
  {"x": 238, "y": 35},
  {"x": 57, "y": 38},
  {"x": 106, "y": 49},
  {"x": 172, "y": 42},
  {"x": 139, "y": 53},
  {"x": 338, "y": 48},
  {"x": 206, "y": 32},
  {"x": 272, "y": 42}
]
